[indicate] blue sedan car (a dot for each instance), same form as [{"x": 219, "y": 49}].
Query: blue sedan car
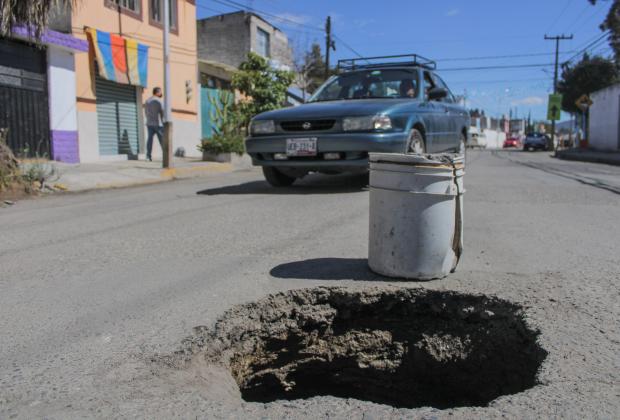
[{"x": 397, "y": 107}]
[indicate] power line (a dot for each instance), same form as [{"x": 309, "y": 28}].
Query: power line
[
  {"x": 242, "y": 7},
  {"x": 579, "y": 48},
  {"x": 603, "y": 49},
  {"x": 518, "y": 66},
  {"x": 579, "y": 16},
  {"x": 497, "y": 57},
  {"x": 568, "y": 3},
  {"x": 347, "y": 46},
  {"x": 540, "y": 79},
  {"x": 591, "y": 45},
  {"x": 589, "y": 18}
]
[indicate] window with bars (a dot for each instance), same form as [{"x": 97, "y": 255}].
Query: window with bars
[
  {"x": 262, "y": 42},
  {"x": 157, "y": 13},
  {"x": 131, "y": 5}
]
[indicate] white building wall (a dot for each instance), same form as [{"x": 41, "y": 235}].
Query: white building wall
[
  {"x": 62, "y": 105},
  {"x": 494, "y": 139},
  {"x": 61, "y": 77},
  {"x": 605, "y": 119}
]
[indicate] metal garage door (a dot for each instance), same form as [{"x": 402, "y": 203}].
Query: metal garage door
[
  {"x": 117, "y": 118},
  {"x": 23, "y": 98}
]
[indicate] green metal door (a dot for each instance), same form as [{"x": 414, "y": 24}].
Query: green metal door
[
  {"x": 212, "y": 101},
  {"x": 207, "y": 107},
  {"x": 117, "y": 118}
]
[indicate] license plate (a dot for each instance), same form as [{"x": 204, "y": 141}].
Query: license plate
[{"x": 301, "y": 146}]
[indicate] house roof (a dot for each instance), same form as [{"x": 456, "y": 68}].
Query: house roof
[{"x": 216, "y": 69}]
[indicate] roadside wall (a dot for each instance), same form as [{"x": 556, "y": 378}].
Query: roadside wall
[
  {"x": 604, "y": 133},
  {"x": 495, "y": 139}
]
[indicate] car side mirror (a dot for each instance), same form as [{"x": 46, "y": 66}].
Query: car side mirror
[{"x": 438, "y": 93}]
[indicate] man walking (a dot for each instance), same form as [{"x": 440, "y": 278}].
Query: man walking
[{"x": 154, "y": 110}]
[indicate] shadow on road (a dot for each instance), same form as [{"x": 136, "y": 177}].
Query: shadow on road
[
  {"x": 315, "y": 184},
  {"x": 329, "y": 269}
]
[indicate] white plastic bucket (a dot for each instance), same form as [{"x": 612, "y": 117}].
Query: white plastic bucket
[{"x": 416, "y": 214}]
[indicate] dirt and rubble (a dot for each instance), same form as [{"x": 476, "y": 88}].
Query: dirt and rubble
[{"x": 401, "y": 347}]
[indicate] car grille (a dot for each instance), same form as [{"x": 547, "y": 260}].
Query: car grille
[{"x": 302, "y": 125}]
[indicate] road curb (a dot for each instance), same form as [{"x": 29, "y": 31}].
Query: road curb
[
  {"x": 163, "y": 175},
  {"x": 586, "y": 157},
  {"x": 195, "y": 171}
]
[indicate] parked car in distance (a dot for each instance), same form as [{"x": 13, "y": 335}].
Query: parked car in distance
[
  {"x": 392, "y": 104},
  {"x": 512, "y": 142},
  {"x": 536, "y": 141}
]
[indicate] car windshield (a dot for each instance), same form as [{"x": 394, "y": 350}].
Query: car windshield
[{"x": 369, "y": 84}]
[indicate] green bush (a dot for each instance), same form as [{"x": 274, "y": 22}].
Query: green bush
[
  {"x": 223, "y": 143},
  {"x": 228, "y": 127}
]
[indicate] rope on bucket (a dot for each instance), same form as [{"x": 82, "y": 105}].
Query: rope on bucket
[{"x": 457, "y": 242}]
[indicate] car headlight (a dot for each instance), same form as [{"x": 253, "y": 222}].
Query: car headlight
[
  {"x": 263, "y": 127},
  {"x": 382, "y": 122},
  {"x": 373, "y": 122}
]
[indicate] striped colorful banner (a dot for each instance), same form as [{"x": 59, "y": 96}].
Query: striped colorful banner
[{"x": 119, "y": 59}]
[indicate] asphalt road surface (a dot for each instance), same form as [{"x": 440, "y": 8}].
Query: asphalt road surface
[{"x": 94, "y": 286}]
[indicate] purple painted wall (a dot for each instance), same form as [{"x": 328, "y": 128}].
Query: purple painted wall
[
  {"x": 53, "y": 38},
  {"x": 65, "y": 146}
]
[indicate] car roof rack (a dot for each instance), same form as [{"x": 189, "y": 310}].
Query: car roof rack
[{"x": 406, "y": 60}]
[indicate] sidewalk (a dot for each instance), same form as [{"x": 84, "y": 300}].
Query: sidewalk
[
  {"x": 587, "y": 155},
  {"x": 90, "y": 176}
]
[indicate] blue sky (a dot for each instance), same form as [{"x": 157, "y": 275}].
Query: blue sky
[{"x": 448, "y": 31}]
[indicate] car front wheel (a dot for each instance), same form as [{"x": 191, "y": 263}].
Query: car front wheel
[
  {"x": 275, "y": 178},
  {"x": 416, "y": 144}
]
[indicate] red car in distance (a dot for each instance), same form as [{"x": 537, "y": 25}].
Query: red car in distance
[{"x": 512, "y": 142}]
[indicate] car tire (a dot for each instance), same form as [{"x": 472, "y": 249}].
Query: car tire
[
  {"x": 275, "y": 178},
  {"x": 416, "y": 143}
]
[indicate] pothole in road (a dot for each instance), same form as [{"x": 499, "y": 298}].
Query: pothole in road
[{"x": 403, "y": 347}]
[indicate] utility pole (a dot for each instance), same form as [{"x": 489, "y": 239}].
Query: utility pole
[
  {"x": 329, "y": 44},
  {"x": 557, "y": 40},
  {"x": 167, "y": 149}
]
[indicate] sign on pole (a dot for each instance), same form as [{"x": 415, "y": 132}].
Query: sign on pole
[
  {"x": 584, "y": 102},
  {"x": 554, "y": 112}
]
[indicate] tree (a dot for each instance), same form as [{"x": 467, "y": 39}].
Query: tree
[
  {"x": 264, "y": 87},
  {"x": 585, "y": 77},
  {"x": 30, "y": 13},
  {"x": 309, "y": 68},
  {"x": 612, "y": 24},
  {"x": 316, "y": 65}
]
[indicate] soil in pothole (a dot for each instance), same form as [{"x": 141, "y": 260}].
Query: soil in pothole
[{"x": 402, "y": 347}]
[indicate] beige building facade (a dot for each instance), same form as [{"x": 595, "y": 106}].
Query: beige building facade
[{"x": 110, "y": 115}]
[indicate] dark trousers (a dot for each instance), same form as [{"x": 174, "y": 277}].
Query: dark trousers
[{"x": 153, "y": 130}]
